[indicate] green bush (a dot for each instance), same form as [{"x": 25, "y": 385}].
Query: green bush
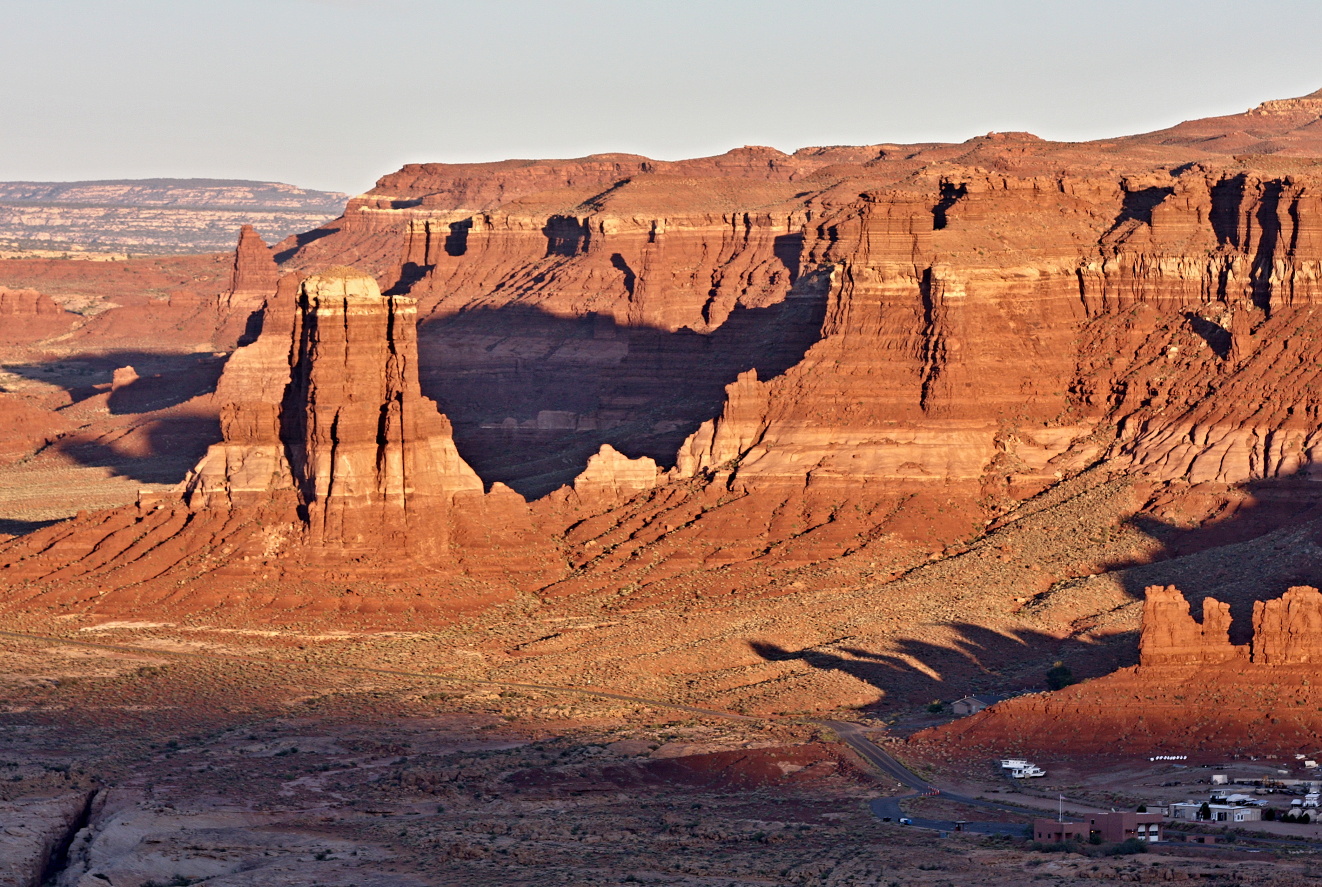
[
  {"x": 1059, "y": 676},
  {"x": 1127, "y": 847}
]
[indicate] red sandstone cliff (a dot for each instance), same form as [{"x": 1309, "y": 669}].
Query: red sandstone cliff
[
  {"x": 254, "y": 275},
  {"x": 992, "y": 324},
  {"x": 862, "y": 353},
  {"x": 1171, "y": 636},
  {"x": 28, "y": 316},
  {"x": 1288, "y": 630},
  {"x": 332, "y": 460}
]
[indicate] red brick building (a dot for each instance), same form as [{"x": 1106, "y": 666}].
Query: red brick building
[
  {"x": 1052, "y": 832},
  {"x": 1122, "y": 826}
]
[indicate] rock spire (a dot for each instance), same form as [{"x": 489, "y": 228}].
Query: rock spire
[
  {"x": 253, "y": 278},
  {"x": 1286, "y": 631},
  {"x": 323, "y": 414}
]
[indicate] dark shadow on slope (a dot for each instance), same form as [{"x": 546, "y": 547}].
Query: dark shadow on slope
[
  {"x": 1269, "y": 232},
  {"x": 1138, "y": 205},
  {"x": 159, "y": 450},
  {"x": 979, "y": 660},
  {"x": 950, "y": 195},
  {"x": 155, "y": 448},
  {"x": 532, "y": 395},
  {"x": 1136, "y": 210},
  {"x": 10, "y": 527},
  {"x": 302, "y": 240},
  {"x": 1253, "y": 550},
  {"x": 164, "y": 380},
  {"x": 1216, "y": 336}
]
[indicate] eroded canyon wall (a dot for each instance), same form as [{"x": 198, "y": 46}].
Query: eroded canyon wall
[
  {"x": 332, "y": 463},
  {"x": 785, "y": 359}
]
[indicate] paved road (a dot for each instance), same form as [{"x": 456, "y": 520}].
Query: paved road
[
  {"x": 855, "y": 736},
  {"x": 889, "y": 809}
]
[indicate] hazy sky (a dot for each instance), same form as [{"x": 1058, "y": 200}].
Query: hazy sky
[{"x": 333, "y": 93}]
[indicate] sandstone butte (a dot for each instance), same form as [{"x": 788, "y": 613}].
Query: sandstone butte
[
  {"x": 879, "y": 404},
  {"x": 1193, "y": 691}
]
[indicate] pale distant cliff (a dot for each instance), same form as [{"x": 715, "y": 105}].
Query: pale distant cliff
[{"x": 155, "y": 215}]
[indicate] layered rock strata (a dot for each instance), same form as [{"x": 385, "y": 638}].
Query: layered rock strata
[
  {"x": 325, "y": 410},
  {"x": 254, "y": 274},
  {"x": 865, "y": 354},
  {"x": 1172, "y": 637},
  {"x": 28, "y": 316},
  {"x": 331, "y": 459},
  {"x": 970, "y": 326}
]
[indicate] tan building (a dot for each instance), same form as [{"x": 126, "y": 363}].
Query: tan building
[{"x": 975, "y": 703}]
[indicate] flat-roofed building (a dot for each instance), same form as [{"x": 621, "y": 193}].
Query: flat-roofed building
[
  {"x": 1121, "y": 826},
  {"x": 1216, "y": 812},
  {"x": 1053, "y": 832}
]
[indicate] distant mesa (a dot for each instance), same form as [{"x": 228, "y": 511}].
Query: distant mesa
[
  {"x": 1308, "y": 104},
  {"x": 154, "y": 216}
]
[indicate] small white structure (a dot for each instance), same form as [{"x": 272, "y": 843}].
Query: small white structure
[
  {"x": 1219, "y": 812},
  {"x": 1221, "y": 797},
  {"x": 1022, "y": 769}
]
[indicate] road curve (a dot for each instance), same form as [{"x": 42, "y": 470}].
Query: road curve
[{"x": 853, "y": 735}]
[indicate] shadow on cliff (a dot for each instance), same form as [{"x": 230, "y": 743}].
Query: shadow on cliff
[
  {"x": 289, "y": 247},
  {"x": 978, "y": 660},
  {"x": 156, "y": 450},
  {"x": 147, "y": 443},
  {"x": 532, "y": 395},
  {"x": 1272, "y": 541},
  {"x": 163, "y": 380}
]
